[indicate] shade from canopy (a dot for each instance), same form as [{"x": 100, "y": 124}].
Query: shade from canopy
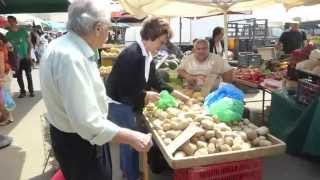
[{"x": 33, "y": 6}]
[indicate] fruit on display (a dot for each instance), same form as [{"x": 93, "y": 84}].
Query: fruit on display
[
  {"x": 105, "y": 70},
  {"x": 250, "y": 74},
  {"x": 111, "y": 52},
  {"x": 214, "y": 137}
]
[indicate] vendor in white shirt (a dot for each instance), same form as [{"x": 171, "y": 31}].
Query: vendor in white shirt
[
  {"x": 203, "y": 71},
  {"x": 75, "y": 97}
]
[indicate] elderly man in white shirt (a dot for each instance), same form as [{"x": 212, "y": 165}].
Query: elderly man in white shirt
[
  {"x": 76, "y": 100},
  {"x": 203, "y": 71}
]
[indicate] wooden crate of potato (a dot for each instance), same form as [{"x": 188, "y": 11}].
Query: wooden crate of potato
[{"x": 217, "y": 142}]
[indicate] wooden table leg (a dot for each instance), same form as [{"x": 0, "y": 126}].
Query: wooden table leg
[{"x": 145, "y": 166}]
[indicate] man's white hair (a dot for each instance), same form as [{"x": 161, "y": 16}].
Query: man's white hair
[
  {"x": 201, "y": 41},
  {"x": 83, "y": 15}
]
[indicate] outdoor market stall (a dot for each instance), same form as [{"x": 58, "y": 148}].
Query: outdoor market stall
[{"x": 215, "y": 142}]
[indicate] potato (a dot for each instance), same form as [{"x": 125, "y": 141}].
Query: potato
[
  {"x": 196, "y": 123},
  {"x": 252, "y": 126},
  {"x": 209, "y": 134},
  {"x": 201, "y": 144},
  {"x": 167, "y": 141},
  {"x": 263, "y": 143},
  {"x": 228, "y": 140},
  {"x": 179, "y": 155},
  {"x": 179, "y": 124},
  {"x": 213, "y": 140},
  {"x": 195, "y": 107},
  {"x": 236, "y": 128},
  {"x": 256, "y": 141},
  {"x": 172, "y": 134},
  {"x": 238, "y": 141},
  {"x": 219, "y": 142},
  {"x": 189, "y": 148},
  {"x": 161, "y": 132},
  {"x": 196, "y": 95},
  {"x": 200, "y": 99},
  {"x": 157, "y": 124},
  {"x": 229, "y": 134},
  {"x": 202, "y": 138},
  {"x": 236, "y": 147},
  {"x": 262, "y": 137},
  {"x": 172, "y": 112},
  {"x": 201, "y": 117},
  {"x": 245, "y": 146},
  {"x": 222, "y": 127},
  {"x": 243, "y": 135},
  {"x": 191, "y": 115},
  {"x": 225, "y": 148},
  {"x": 166, "y": 126},
  {"x": 219, "y": 134},
  {"x": 211, "y": 148},
  {"x": 201, "y": 152},
  {"x": 194, "y": 139},
  {"x": 201, "y": 132},
  {"x": 207, "y": 124},
  {"x": 262, "y": 130},
  {"x": 246, "y": 121},
  {"x": 182, "y": 126},
  {"x": 185, "y": 108},
  {"x": 251, "y": 134},
  {"x": 162, "y": 115}
]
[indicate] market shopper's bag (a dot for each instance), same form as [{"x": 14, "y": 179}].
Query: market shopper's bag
[
  {"x": 8, "y": 101},
  {"x": 166, "y": 100},
  {"x": 224, "y": 90},
  {"x": 227, "y": 109}
]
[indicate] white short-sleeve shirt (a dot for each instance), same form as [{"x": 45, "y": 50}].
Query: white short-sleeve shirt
[{"x": 214, "y": 64}]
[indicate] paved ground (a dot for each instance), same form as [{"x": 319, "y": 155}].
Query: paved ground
[{"x": 24, "y": 159}]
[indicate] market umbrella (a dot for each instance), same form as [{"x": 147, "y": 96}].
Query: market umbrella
[
  {"x": 193, "y": 8},
  {"x": 295, "y": 3},
  {"x": 120, "y": 16}
]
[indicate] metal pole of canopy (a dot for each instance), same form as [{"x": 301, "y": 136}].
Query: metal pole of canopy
[
  {"x": 180, "y": 30},
  {"x": 225, "y": 15}
]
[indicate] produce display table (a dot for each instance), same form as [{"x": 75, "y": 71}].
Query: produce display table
[
  {"x": 262, "y": 86},
  {"x": 297, "y": 125},
  {"x": 278, "y": 147}
]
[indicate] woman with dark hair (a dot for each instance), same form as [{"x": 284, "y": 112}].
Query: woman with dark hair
[
  {"x": 133, "y": 83},
  {"x": 216, "y": 41}
]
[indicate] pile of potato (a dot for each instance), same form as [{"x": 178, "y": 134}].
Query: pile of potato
[{"x": 215, "y": 136}]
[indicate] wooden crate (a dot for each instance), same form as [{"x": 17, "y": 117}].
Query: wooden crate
[
  {"x": 267, "y": 53},
  {"x": 246, "y": 83},
  {"x": 278, "y": 147}
]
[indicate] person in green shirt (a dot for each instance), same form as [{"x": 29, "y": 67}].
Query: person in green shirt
[{"x": 20, "y": 40}]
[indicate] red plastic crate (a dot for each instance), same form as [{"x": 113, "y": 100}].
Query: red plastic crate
[{"x": 238, "y": 170}]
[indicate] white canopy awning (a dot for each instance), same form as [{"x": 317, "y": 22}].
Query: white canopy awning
[{"x": 191, "y": 8}]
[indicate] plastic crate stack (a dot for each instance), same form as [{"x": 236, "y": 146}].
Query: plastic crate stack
[
  {"x": 308, "y": 90},
  {"x": 238, "y": 170},
  {"x": 247, "y": 59}
]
